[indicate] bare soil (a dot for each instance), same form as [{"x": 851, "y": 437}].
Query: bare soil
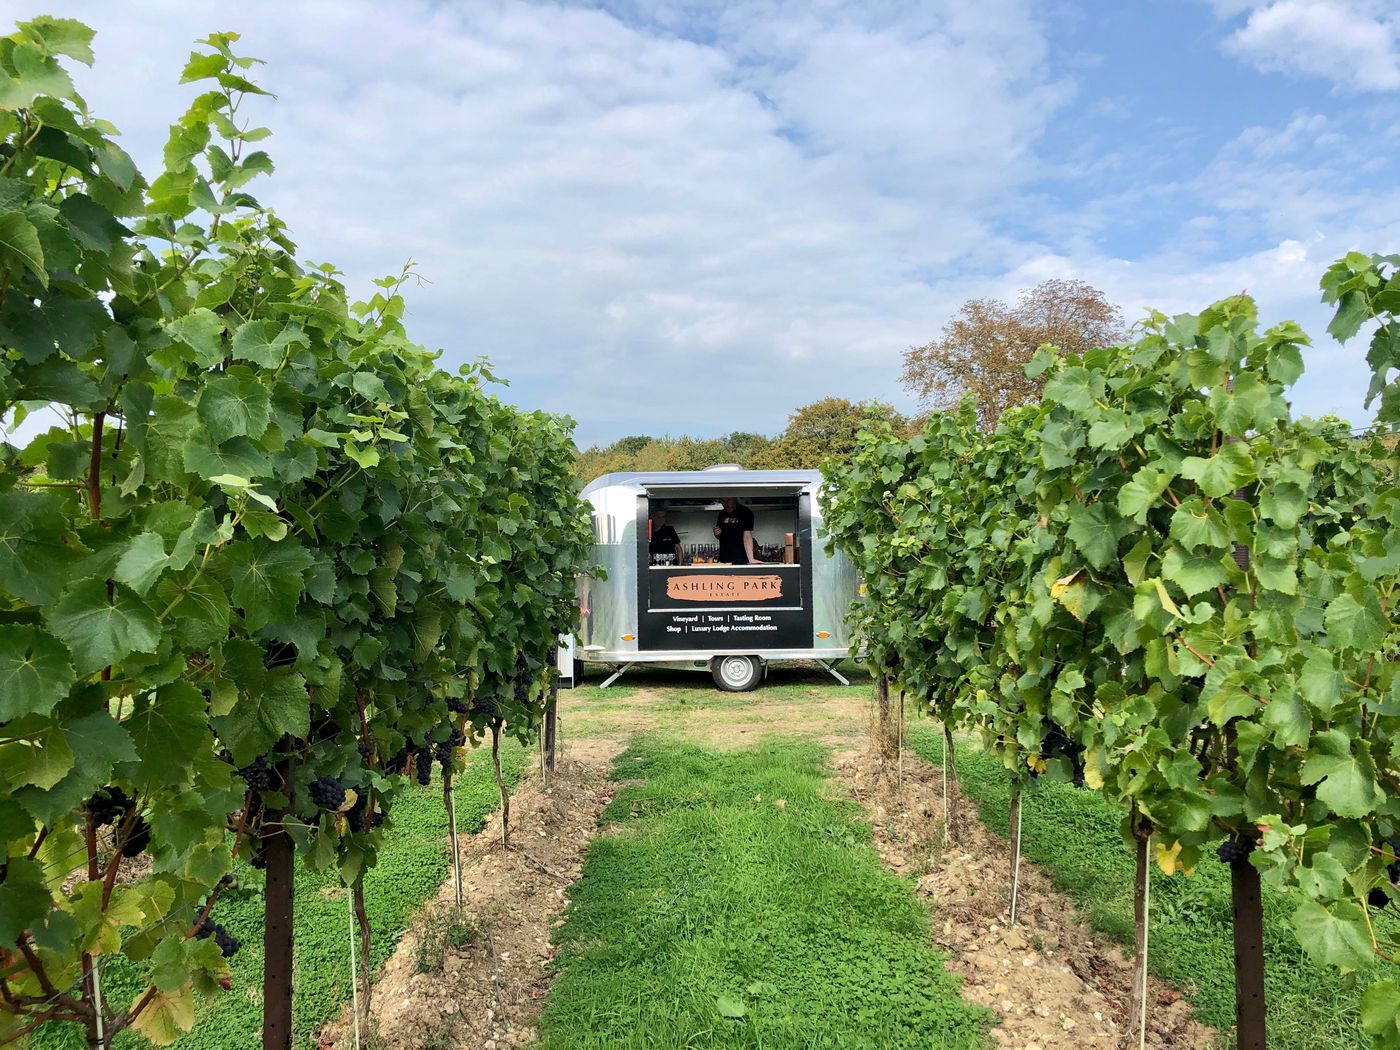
[
  {"x": 476, "y": 981},
  {"x": 1053, "y": 982}
]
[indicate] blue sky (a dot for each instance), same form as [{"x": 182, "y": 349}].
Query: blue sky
[{"x": 695, "y": 217}]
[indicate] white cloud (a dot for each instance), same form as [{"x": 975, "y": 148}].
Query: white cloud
[
  {"x": 1354, "y": 43},
  {"x": 683, "y": 217},
  {"x": 645, "y": 230}
]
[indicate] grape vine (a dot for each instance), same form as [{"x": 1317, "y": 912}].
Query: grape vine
[
  {"x": 1161, "y": 582},
  {"x": 268, "y": 548}
]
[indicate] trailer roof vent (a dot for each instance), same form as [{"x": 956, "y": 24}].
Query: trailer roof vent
[{"x": 724, "y": 466}]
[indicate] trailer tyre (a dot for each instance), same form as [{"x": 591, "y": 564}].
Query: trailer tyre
[{"x": 736, "y": 674}]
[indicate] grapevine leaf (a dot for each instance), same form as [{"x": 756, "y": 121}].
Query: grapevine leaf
[
  {"x": 58, "y": 321},
  {"x": 267, "y": 579},
  {"x": 1141, "y": 494},
  {"x": 264, "y": 342},
  {"x": 730, "y": 1006},
  {"x": 1380, "y": 1010},
  {"x": 1095, "y": 530},
  {"x": 1320, "y": 682},
  {"x": 35, "y": 672},
  {"x": 142, "y": 562},
  {"x": 1193, "y": 573},
  {"x": 1356, "y": 622},
  {"x": 168, "y": 729},
  {"x": 1335, "y": 936},
  {"x": 19, "y": 242},
  {"x": 1345, "y": 780},
  {"x": 202, "y": 331},
  {"x": 1075, "y": 387},
  {"x": 100, "y": 629},
  {"x": 167, "y": 1016},
  {"x": 234, "y": 405},
  {"x": 1194, "y": 525},
  {"x": 269, "y": 706},
  {"x": 24, "y": 899}
]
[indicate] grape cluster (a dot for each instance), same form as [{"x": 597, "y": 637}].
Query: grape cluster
[
  {"x": 398, "y": 761},
  {"x": 228, "y": 944},
  {"x": 1234, "y": 850},
  {"x": 138, "y": 839},
  {"x": 457, "y": 707},
  {"x": 355, "y": 817},
  {"x": 328, "y": 793},
  {"x": 424, "y": 759},
  {"x": 366, "y": 750},
  {"x": 258, "y": 774},
  {"x": 259, "y": 858},
  {"x": 108, "y": 805}
]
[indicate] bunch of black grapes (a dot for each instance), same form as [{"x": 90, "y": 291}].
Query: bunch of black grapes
[{"x": 228, "y": 944}]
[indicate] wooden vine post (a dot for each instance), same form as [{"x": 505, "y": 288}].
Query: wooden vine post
[
  {"x": 1247, "y": 909},
  {"x": 551, "y": 721},
  {"x": 1142, "y": 837},
  {"x": 278, "y": 901},
  {"x": 882, "y": 714},
  {"x": 950, "y": 783}
]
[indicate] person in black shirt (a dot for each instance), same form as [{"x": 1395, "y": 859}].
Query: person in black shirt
[
  {"x": 664, "y": 539},
  {"x": 734, "y": 530}
]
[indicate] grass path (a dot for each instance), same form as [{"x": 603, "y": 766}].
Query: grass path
[
  {"x": 1074, "y": 835},
  {"x": 413, "y": 864},
  {"x": 737, "y": 902}
]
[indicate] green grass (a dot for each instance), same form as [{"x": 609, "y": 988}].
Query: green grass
[
  {"x": 412, "y": 864},
  {"x": 1074, "y": 835},
  {"x": 708, "y": 898}
]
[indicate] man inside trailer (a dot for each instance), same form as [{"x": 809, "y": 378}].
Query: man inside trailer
[
  {"x": 664, "y": 538},
  {"x": 734, "y": 530}
]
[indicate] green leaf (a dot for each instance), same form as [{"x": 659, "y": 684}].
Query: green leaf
[
  {"x": 1380, "y": 1010},
  {"x": 1346, "y": 782},
  {"x": 24, "y": 899},
  {"x": 35, "y": 672},
  {"x": 1141, "y": 494},
  {"x": 19, "y": 243},
  {"x": 1288, "y": 719},
  {"x": 1320, "y": 682},
  {"x": 1223, "y": 473},
  {"x": 202, "y": 331},
  {"x": 101, "y": 630},
  {"x": 142, "y": 562},
  {"x": 1194, "y": 526},
  {"x": 1356, "y": 622},
  {"x": 1095, "y": 530},
  {"x": 1193, "y": 573},
  {"x": 1334, "y": 937},
  {"x": 267, "y": 579},
  {"x": 234, "y": 404},
  {"x": 59, "y": 321},
  {"x": 62, "y": 36},
  {"x": 1075, "y": 387},
  {"x": 270, "y": 704},
  {"x": 264, "y": 342},
  {"x": 237, "y": 456},
  {"x": 1283, "y": 503},
  {"x": 168, "y": 728}
]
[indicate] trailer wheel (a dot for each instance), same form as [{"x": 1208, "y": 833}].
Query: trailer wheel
[{"x": 736, "y": 674}]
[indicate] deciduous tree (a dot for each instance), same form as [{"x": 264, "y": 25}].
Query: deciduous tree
[{"x": 984, "y": 349}]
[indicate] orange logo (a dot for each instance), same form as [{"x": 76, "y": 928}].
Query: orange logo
[{"x": 709, "y": 588}]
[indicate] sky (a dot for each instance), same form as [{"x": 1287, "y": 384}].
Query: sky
[{"x": 693, "y": 218}]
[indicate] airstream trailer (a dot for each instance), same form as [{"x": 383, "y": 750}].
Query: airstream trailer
[{"x": 688, "y": 610}]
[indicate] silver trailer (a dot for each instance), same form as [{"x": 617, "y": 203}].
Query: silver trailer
[{"x": 697, "y": 614}]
